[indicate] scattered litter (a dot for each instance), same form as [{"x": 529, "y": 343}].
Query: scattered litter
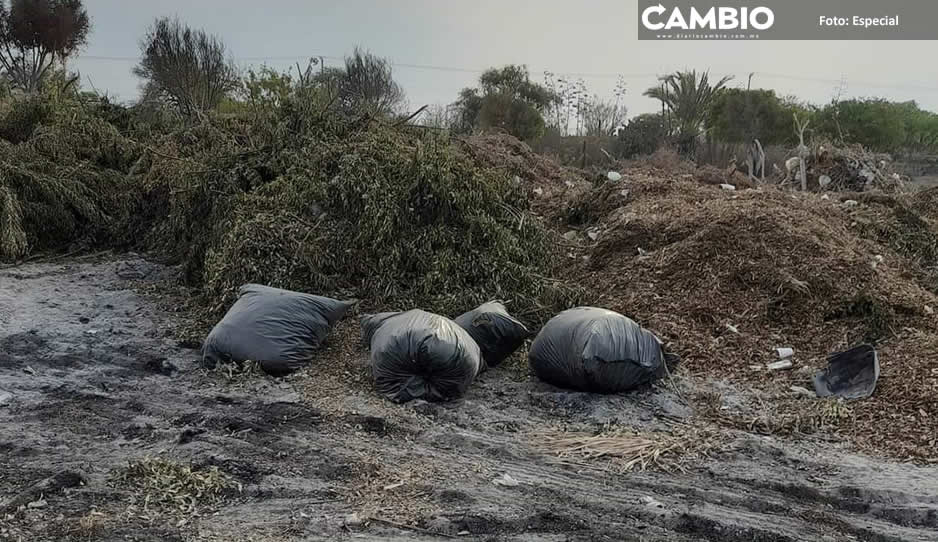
[
  {"x": 851, "y": 203},
  {"x": 727, "y": 187},
  {"x": 780, "y": 365},
  {"x": 593, "y": 235},
  {"x": 538, "y": 192},
  {"x": 929, "y": 310},
  {"x": 624, "y": 193},
  {"x": 389, "y": 487},
  {"x": 785, "y": 353},
  {"x": 570, "y": 235},
  {"x": 614, "y": 176},
  {"x": 39, "y": 503},
  {"x": 516, "y": 181},
  {"x": 732, "y": 328},
  {"x": 5, "y": 398},
  {"x": 824, "y": 181},
  {"x": 851, "y": 374},
  {"x": 652, "y": 502},
  {"x": 825, "y": 197},
  {"x": 570, "y": 184},
  {"x": 29, "y": 370},
  {"x": 506, "y": 481},
  {"x": 92, "y": 331}
]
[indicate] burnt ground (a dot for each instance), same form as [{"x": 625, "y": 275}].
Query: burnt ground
[{"x": 92, "y": 379}]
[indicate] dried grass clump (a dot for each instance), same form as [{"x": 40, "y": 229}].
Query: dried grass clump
[
  {"x": 626, "y": 450},
  {"x": 175, "y": 487}
]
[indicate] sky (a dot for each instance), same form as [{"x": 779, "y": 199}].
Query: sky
[{"x": 438, "y": 47}]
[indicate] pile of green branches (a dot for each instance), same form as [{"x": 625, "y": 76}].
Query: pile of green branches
[
  {"x": 296, "y": 196},
  {"x": 62, "y": 180}
]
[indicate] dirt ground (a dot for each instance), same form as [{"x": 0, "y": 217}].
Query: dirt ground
[{"x": 93, "y": 378}]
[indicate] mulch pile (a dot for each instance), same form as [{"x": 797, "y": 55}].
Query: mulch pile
[{"x": 728, "y": 276}]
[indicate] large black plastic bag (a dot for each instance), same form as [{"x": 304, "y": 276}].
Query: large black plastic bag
[
  {"x": 420, "y": 355},
  {"x": 497, "y": 333},
  {"x": 277, "y": 328},
  {"x": 596, "y": 350}
]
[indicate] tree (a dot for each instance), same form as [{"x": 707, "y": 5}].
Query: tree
[
  {"x": 642, "y": 135},
  {"x": 602, "y": 117},
  {"x": 739, "y": 115},
  {"x": 506, "y": 99},
  {"x": 364, "y": 84},
  {"x": 35, "y": 34},
  {"x": 188, "y": 68},
  {"x": 687, "y": 97}
]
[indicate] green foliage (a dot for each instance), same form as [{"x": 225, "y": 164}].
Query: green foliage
[
  {"x": 506, "y": 99},
  {"x": 23, "y": 116},
  {"x": 739, "y": 115},
  {"x": 688, "y": 97},
  {"x": 35, "y": 34},
  {"x": 880, "y": 125},
  {"x": 398, "y": 219},
  {"x": 363, "y": 85},
  {"x": 66, "y": 181},
  {"x": 641, "y": 136},
  {"x": 266, "y": 88},
  {"x": 184, "y": 67}
]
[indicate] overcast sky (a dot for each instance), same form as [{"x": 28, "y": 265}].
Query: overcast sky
[{"x": 595, "y": 39}]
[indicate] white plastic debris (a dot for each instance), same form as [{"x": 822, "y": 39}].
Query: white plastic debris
[
  {"x": 727, "y": 187},
  {"x": 516, "y": 181},
  {"x": 652, "y": 502},
  {"x": 538, "y": 192},
  {"x": 785, "y": 353},
  {"x": 824, "y": 181},
  {"x": 851, "y": 203},
  {"x": 780, "y": 365},
  {"x": 825, "y": 197},
  {"x": 593, "y": 235},
  {"x": 614, "y": 176},
  {"x": 732, "y": 328},
  {"x": 506, "y": 481},
  {"x": 570, "y": 235},
  {"x": 929, "y": 310}
]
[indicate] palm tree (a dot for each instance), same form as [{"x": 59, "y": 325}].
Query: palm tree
[{"x": 687, "y": 96}]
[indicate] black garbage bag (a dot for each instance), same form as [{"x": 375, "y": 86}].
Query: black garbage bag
[
  {"x": 497, "y": 333},
  {"x": 420, "y": 355},
  {"x": 596, "y": 350},
  {"x": 851, "y": 374},
  {"x": 277, "y": 328}
]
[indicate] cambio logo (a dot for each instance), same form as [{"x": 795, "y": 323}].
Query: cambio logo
[{"x": 716, "y": 18}]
